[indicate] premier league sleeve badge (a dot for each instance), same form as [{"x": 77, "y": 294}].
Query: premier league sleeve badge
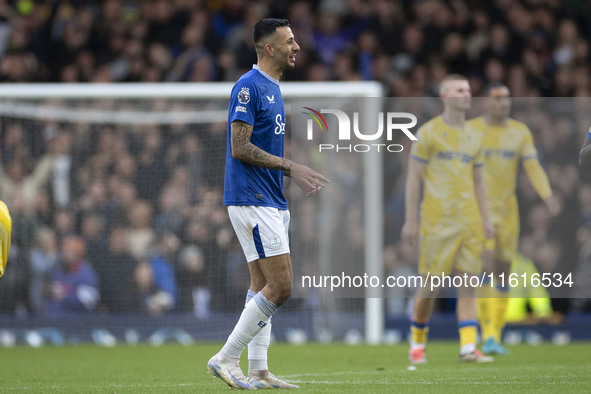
[{"x": 244, "y": 96}]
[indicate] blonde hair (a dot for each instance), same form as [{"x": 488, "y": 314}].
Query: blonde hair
[{"x": 450, "y": 77}]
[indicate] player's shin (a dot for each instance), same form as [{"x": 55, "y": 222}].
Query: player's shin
[
  {"x": 254, "y": 318},
  {"x": 418, "y": 340},
  {"x": 485, "y": 293},
  {"x": 467, "y": 324},
  {"x": 418, "y": 333},
  {"x": 467, "y": 330},
  {"x": 257, "y": 348},
  {"x": 485, "y": 306},
  {"x": 500, "y": 312},
  {"x": 419, "y": 322}
]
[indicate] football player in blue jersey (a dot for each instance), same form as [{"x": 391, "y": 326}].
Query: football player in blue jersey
[{"x": 253, "y": 193}]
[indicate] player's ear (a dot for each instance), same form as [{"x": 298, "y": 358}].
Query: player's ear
[{"x": 269, "y": 49}]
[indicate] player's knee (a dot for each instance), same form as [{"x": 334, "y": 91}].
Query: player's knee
[
  {"x": 467, "y": 292},
  {"x": 285, "y": 293},
  {"x": 282, "y": 292},
  {"x": 428, "y": 288},
  {"x": 257, "y": 284}
]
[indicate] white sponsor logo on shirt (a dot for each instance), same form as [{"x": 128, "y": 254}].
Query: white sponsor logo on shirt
[{"x": 280, "y": 129}]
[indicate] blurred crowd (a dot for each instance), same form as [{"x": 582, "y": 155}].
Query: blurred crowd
[
  {"x": 148, "y": 199},
  {"x": 112, "y": 219},
  {"x": 539, "y": 47}
]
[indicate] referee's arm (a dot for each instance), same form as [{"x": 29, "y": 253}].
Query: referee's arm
[{"x": 585, "y": 154}]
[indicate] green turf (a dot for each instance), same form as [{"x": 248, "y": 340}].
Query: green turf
[{"x": 316, "y": 368}]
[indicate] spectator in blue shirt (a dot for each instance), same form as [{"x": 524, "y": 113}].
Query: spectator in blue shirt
[{"x": 74, "y": 285}]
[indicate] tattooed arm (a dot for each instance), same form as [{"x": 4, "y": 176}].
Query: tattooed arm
[
  {"x": 247, "y": 152},
  {"x": 244, "y": 150}
]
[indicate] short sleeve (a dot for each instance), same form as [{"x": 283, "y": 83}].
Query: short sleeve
[
  {"x": 420, "y": 148},
  {"x": 243, "y": 102}
]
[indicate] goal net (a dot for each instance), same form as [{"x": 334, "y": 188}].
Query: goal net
[{"x": 120, "y": 234}]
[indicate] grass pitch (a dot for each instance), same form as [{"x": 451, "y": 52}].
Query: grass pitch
[{"x": 335, "y": 368}]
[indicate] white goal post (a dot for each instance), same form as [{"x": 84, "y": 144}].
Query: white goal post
[{"x": 10, "y": 94}]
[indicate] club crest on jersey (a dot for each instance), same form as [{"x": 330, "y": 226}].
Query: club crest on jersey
[
  {"x": 275, "y": 242},
  {"x": 244, "y": 96}
]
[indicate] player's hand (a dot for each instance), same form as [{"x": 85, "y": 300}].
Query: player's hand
[
  {"x": 553, "y": 205},
  {"x": 489, "y": 230},
  {"x": 307, "y": 179},
  {"x": 410, "y": 232}
]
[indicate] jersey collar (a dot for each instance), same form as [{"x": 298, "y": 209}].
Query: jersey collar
[{"x": 270, "y": 78}]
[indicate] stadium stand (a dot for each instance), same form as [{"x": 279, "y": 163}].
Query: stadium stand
[{"x": 538, "y": 48}]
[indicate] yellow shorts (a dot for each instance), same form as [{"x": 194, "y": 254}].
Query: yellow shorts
[
  {"x": 5, "y": 230},
  {"x": 450, "y": 246},
  {"x": 507, "y": 236}
]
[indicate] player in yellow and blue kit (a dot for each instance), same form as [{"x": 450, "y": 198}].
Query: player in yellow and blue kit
[
  {"x": 506, "y": 143},
  {"x": 447, "y": 159}
]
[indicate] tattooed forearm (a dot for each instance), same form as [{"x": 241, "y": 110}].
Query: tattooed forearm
[
  {"x": 287, "y": 167},
  {"x": 244, "y": 150}
]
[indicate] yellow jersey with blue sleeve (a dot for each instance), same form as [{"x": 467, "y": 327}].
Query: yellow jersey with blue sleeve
[
  {"x": 450, "y": 235},
  {"x": 505, "y": 146},
  {"x": 450, "y": 155}
]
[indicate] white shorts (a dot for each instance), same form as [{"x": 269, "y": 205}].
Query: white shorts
[{"x": 262, "y": 231}]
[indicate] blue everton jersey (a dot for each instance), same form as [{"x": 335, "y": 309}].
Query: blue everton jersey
[{"x": 256, "y": 100}]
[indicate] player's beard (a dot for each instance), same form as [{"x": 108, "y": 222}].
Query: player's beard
[{"x": 288, "y": 64}]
